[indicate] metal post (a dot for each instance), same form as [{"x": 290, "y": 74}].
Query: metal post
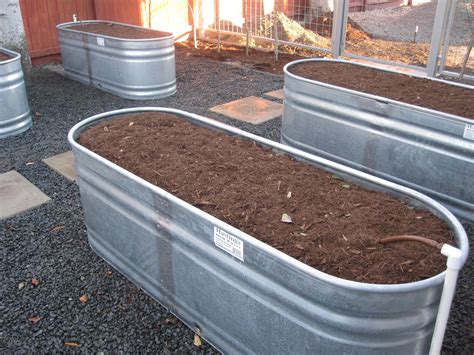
[
  {"x": 447, "y": 35},
  {"x": 439, "y": 26},
  {"x": 195, "y": 19},
  {"x": 217, "y": 17},
  {"x": 339, "y": 27},
  {"x": 275, "y": 24},
  {"x": 466, "y": 58},
  {"x": 247, "y": 33},
  {"x": 149, "y": 13},
  {"x": 202, "y": 29}
]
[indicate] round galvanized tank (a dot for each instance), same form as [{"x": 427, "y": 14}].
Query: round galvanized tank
[{"x": 15, "y": 116}]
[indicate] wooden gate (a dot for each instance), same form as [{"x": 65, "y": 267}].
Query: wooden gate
[{"x": 40, "y": 18}]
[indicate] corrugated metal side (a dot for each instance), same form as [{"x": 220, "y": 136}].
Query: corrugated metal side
[
  {"x": 269, "y": 303},
  {"x": 40, "y": 18},
  {"x": 416, "y": 147},
  {"x": 15, "y": 116},
  {"x": 131, "y": 68}
]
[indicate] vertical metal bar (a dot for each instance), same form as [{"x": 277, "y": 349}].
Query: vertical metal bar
[
  {"x": 447, "y": 35},
  {"x": 195, "y": 19},
  {"x": 275, "y": 24},
  {"x": 247, "y": 40},
  {"x": 339, "y": 27},
  {"x": 202, "y": 30},
  {"x": 436, "y": 39},
  {"x": 149, "y": 13},
  {"x": 217, "y": 17},
  {"x": 466, "y": 58}
]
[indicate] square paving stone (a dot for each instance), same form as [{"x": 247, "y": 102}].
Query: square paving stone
[
  {"x": 18, "y": 195},
  {"x": 276, "y": 94},
  {"x": 250, "y": 109},
  {"x": 63, "y": 164}
]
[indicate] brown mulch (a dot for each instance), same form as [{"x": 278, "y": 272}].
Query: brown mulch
[
  {"x": 417, "y": 91},
  {"x": 336, "y": 225},
  {"x": 4, "y": 56},
  {"x": 118, "y": 31}
]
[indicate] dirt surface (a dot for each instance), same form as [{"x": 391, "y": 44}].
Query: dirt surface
[
  {"x": 257, "y": 59},
  {"x": 4, "y": 56},
  {"x": 393, "y": 51},
  {"x": 336, "y": 226},
  {"x": 417, "y": 91},
  {"x": 118, "y": 31},
  {"x": 398, "y": 23},
  {"x": 358, "y": 42}
]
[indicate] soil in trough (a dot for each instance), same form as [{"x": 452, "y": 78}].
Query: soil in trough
[
  {"x": 4, "y": 57},
  {"x": 401, "y": 87},
  {"x": 118, "y": 31},
  {"x": 336, "y": 226}
]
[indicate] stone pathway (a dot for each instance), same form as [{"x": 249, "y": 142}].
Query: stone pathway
[
  {"x": 18, "y": 195},
  {"x": 276, "y": 94},
  {"x": 63, "y": 164},
  {"x": 250, "y": 109}
]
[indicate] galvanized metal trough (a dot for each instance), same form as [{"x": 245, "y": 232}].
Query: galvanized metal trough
[
  {"x": 136, "y": 69},
  {"x": 240, "y": 294},
  {"x": 15, "y": 115},
  {"x": 426, "y": 150}
]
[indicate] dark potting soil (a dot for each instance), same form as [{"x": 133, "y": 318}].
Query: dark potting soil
[
  {"x": 336, "y": 226},
  {"x": 401, "y": 87},
  {"x": 4, "y": 56},
  {"x": 118, "y": 31}
]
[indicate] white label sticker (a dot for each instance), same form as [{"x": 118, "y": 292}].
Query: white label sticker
[
  {"x": 229, "y": 243},
  {"x": 469, "y": 132},
  {"x": 100, "y": 41}
]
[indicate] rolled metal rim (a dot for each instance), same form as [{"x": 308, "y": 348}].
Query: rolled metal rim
[
  {"x": 286, "y": 72},
  {"x": 448, "y": 217},
  {"x": 14, "y": 55},
  {"x": 63, "y": 27}
]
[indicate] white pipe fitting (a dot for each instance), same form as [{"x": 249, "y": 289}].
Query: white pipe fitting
[{"x": 454, "y": 264}]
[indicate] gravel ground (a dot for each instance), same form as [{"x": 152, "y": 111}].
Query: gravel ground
[
  {"x": 398, "y": 23},
  {"x": 49, "y": 243}
]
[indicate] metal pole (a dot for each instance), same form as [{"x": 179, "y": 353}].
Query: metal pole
[
  {"x": 247, "y": 33},
  {"x": 202, "y": 30},
  {"x": 447, "y": 36},
  {"x": 466, "y": 58},
  {"x": 149, "y": 13},
  {"x": 275, "y": 24},
  {"x": 195, "y": 19},
  {"x": 439, "y": 26},
  {"x": 339, "y": 27},
  {"x": 218, "y": 25}
]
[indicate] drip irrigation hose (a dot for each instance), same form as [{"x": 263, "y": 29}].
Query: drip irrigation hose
[{"x": 412, "y": 238}]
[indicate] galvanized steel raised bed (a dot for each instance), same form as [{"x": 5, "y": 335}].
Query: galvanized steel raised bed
[
  {"x": 427, "y": 150},
  {"x": 136, "y": 69},
  {"x": 262, "y": 301},
  {"x": 15, "y": 115}
]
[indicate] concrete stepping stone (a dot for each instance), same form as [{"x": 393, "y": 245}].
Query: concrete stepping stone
[
  {"x": 276, "y": 94},
  {"x": 63, "y": 164},
  {"x": 250, "y": 109},
  {"x": 18, "y": 195}
]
